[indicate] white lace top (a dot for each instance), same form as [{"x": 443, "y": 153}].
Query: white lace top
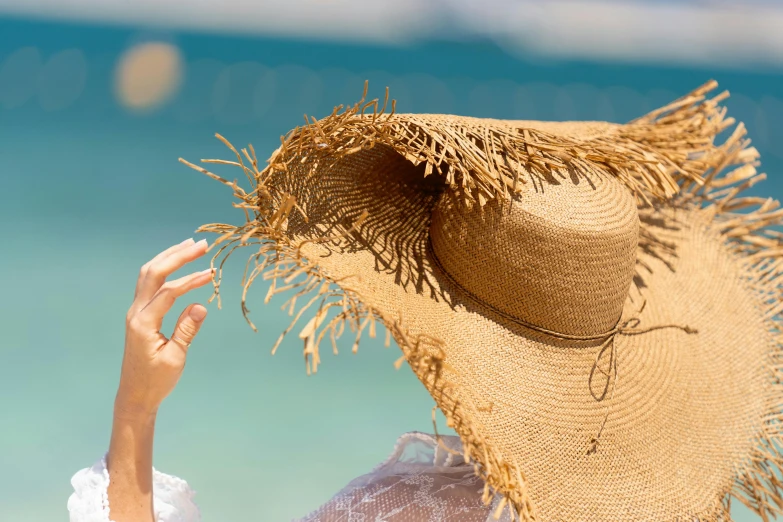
[{"x": 421, "y": 481}]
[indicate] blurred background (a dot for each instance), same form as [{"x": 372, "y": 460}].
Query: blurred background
[{"x": 98, "y": 99}]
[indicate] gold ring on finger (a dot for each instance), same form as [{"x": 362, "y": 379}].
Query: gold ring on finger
[{"x": 180, "y": 342}]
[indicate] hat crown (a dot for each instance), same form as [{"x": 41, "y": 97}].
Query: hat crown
[{"x": 560, "y": 257}]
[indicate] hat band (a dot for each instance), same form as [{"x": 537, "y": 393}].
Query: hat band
[{"x": 627, "y": 327}]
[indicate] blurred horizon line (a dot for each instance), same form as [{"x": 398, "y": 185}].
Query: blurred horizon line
[{"x": 713, "y": 33}]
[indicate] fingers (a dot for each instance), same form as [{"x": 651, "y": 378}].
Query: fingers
[
  {"x": 165, "y": 253},
  {"x": 188, "y": 326},
  {"x": 158, "y": 270},
  {"x": 152, "y": 315}
]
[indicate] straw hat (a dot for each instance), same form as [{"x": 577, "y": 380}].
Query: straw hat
[{"x": 594, "y": 307}]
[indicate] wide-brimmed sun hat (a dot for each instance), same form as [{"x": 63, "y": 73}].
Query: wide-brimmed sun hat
[{"x": 594, "y": 307}]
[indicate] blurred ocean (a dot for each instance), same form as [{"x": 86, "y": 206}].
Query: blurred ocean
[{"x": 89, "y": 191}]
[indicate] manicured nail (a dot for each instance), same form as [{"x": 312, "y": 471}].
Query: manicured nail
[
  {"x": 202, "y": 243},
  {"x": 188, "y": 240},
  {"x": 207, "y": 271},
  {"x": 197, "y": 313}
]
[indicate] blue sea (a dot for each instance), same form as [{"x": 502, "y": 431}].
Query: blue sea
[{"x": 89, "y": 191}]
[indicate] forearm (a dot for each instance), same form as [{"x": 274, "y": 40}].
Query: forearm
[
  {"x": 129, "y": 463},
  {"x": 151, "y": 367}
]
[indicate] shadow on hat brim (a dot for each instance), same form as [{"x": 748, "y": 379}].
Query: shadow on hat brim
[{"x": 340, "y": 218}]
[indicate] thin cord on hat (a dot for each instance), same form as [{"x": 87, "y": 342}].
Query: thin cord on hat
[{"x": 627, "y": 327}]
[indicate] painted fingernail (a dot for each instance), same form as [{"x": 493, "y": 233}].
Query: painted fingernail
[
  {"x": 197, "y": 313},
  {"x": 202, "y": 243},
  {"x": 207, "y": 271},
  {"x": 188, "y": 240}
]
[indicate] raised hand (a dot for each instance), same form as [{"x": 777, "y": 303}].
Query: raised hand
[
  {"x": 151, "y": 368},
  {"x": 153, "y": 363}
]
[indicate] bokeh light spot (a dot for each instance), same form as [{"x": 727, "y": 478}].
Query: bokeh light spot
[
  {"x": 19, "y": 77},
  {"x": 493, "y": 99},
  {"x": 627, "y": 103},
  {"x": 233, "y": 94},
  {"x": 303, "y": 88},
  {"x": 581, "y": 104},
  {"x": 772, "y": 110},
  {"x": 431, "y": 94},
  {"x": 264, "y": 92},
  {"x": 148, "y": 75},
  {"x": 62, "y": 80},
  {"x": 194, "y": 102},
  {"x": 536, "y": 101}
]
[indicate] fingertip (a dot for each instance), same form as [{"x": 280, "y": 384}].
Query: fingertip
[
  {"x": 197, "y": 313},
  {"x": 204, "y": 277}
]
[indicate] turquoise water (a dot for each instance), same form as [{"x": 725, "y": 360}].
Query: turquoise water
[{"x": 88, "y": 193}]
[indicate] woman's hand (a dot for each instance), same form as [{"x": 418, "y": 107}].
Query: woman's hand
[
  {"x": 151, "y": 368},
  {"x": 153, "y": 363}
]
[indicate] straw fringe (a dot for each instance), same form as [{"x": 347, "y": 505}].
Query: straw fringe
[
  {"x": 668, "y": 153},
  {"x": 749, "y": 226},
  {"x": 721, "y": 174},
  {"x": 280, "y": 259},
  {"x": 650, "y": 155}
]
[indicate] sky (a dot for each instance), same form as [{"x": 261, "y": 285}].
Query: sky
[{"x": 736, "y": 34}]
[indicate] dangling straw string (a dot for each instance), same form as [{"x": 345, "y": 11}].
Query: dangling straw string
[{"x": 628, "y": 327}]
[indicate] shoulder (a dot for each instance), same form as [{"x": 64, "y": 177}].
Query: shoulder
[{"x": 424, "y": 478}]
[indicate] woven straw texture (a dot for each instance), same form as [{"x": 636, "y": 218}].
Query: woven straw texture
[{"x": 584, "y": 301}]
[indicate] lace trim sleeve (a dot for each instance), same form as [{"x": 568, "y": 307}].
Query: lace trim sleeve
[{"x": 172, "y": 497}]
